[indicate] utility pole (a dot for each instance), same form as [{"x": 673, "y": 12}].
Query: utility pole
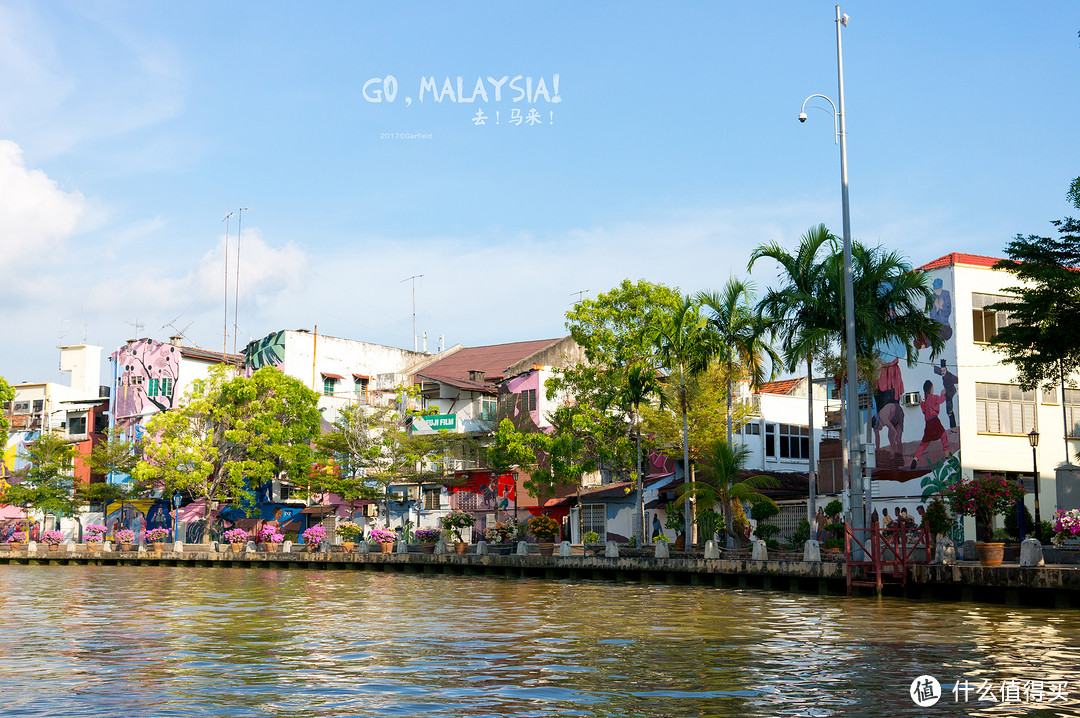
[
  {"x": 225, "y": 325},
  {"x": 413, "y": 278},
  {"x": 236, "y": 301}
]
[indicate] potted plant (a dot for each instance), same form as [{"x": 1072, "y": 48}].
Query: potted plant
[
  {"x": 53, "y": 538},
  {"x": 937, "y": 518},
  {"x": 157, "y": 538},
  {"x": 348, "y": 530},
  {"x": 455, "y": 522},
  {"x": 314, "y": 536},
  {"x": 503, "y": 533},
  {"x": 1066, "y": 525},
  {"x": 385, "y": 537},
  {"x": 427, "y": 539},
  {"x": 95, "y": 535},
  {"x": 126, "y": 539},
  {"x": 17, "y": 540},
  {"x": 984, "y": 497},
  {"x": 236, "y": 537},
  {"x": 271, "y": 537},
  {"x": 545, "y": 529}
]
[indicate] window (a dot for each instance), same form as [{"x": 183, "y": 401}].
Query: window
[
  {"x": 787, "y": 441},
  {"x": 328, "y": 385},
  {"x": 432, "y": 499},
  {"x": 39, "y": 405},
  {"x": 22, "y": 407},
  {"x": 153, "y": 388},
  {"x": 594, "y": 518},
  {"x": 487, "y": 409},
  {"x": 1003, "y": 409},
  {"x": 1072, "y": 412},
  {"x": 77, "y": 425},
  {"x": 985, "y": 323},
  {"x": 528, "y": 400},
  {"x": 360, "y": 386},
  {"x": 751, "y": 429}
]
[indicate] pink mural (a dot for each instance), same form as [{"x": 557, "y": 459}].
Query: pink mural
[{"x": 146, "y": 373}]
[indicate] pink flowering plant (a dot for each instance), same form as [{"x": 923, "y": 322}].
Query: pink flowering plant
[
  {"x": 95, "y": 533},
  {"x": 983, "y": 497},
  {"x": 383, "y": 535},
  {"x": 315, "y": 535},
  {"x": 275, "y": 538},
  {"x": 125, "y": 536},
  {"x": 236, "y": 536},
  {"x": 271, "y": 534},
  {"x": 53, "y": 538},
  {"x": 427, "y": 535},
  {"x": 349, "y": 530},
  {"x": 1066, "y": 525},
  {"x": 18, "y": 537},
  {"x": 157, "y": 535}
]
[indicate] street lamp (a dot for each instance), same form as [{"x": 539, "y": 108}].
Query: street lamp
[
  {"x": 855, "y": 486},
  {"x": 176, "y": 499},
  {"x": 1033, "y": 439}
]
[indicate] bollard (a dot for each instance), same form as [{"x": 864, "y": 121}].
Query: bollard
[
  {"x": 522, "y": 548},
  {"x": 566, "y": 549},
  {"x": 249, "y": 547},
  {"x": 440, "y": 547},
  {"x": 178, "y": 546},
  {"x": 481, "y": 548},
  {"x": 662, "y": 550},
  {"x": 811, "y": 551},
  {"x": 401, "y": 547},
  {"x": 286, "y": 547},
  {"x": 611, "y": 550},
  {"x": 1031, "y": 553},
  {"x": 945, "y": 552},
  {"x": 712, "y": 550},
  {"x": 967, "y": 552}
]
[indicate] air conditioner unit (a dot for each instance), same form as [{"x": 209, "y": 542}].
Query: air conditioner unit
[
  {"x": 371, "y": 510},
  {"x": 912, "y": 398},
  {"x": 414, "y": 493}
]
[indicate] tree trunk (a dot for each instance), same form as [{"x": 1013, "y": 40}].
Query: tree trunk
[
  {"x": 639, "y": 505},
  {"x": 206, "y": 518},
  {"x": 688, "y": 506},
  {"x": 811, "y": 472}
]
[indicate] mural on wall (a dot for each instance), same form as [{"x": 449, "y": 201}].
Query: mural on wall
[
  {"x": 11, "y": 460},
  {"x": 147, "y": 372},
  {"x": 138, "y": 515},
  {"x": 519, "y": 401},
  {"x": 483, "y": 491},
  {"x": 268, "y": 351},
  {"x": 915, "y": 424}
]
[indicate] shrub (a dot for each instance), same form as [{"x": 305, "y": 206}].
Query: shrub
[
  {"x": 544, "y": 528},
  {"x": 157, "y": 535},
  {"x": 95, "y": 533},
  {"x": 762, "y": 512},
  {"x": 428, "y": 535},
  {"x": 315, "y": 535},
  {"x": 456, "y": 521},
  {"x": 1012, "y": 527},
  {"x": 937, "y": 517},
  {"x": 18, "y": 537},
  {"x": 236, "y": 536},
  {"x": 348, "y": 530},
  {"x": 125, "y": 536},
  {"x": 53, "y": 538},
  {"x": 266, "y": 534},
  {"x": 382, "y": 535},
  {"x": 660, "y": 538},
  {"x": 591, "y": 537},
  {"x": 800, "y": 537},
  {"x": 834, "y": 509}
]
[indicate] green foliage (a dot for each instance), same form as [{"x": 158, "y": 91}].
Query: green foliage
[
  {"x": 509, "y": 448},
  {"x": 675, "y": 516},
  {"x": 591, "y": 537},
  {"x": 1073, "y": 194},
  {"x": 610, "y": 327},
  {"x": 834, "y": 509},
  {"x": 709, "y": 522},
  {"x": 456, "y": 522},
  {"x": 6, "y": 394},
  {"x": 116, "y": 454},
  {"x": 47, "y": 482},
  {"x": 231, "y": 434},
  {"x": 937, "y": 517},
  {"x": 719, "y": 481},
  {"x": 1041, "y": 341},
  {"x": 544, "y": 528},
  {"x": 800, "y": 536},
  {"x": 99, "y": 493},
  {"x": 763, "y": 511},
  {"x": 1012, "y": 526}
]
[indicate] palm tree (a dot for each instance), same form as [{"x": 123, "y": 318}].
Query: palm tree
[
  {"x": 684, "y": 347},
  {"x": 801, "y": 317},
  {"x": 722, "y": 466},
  {"x": 640, "y": 383},
  {"x": 738, "y": 336}
]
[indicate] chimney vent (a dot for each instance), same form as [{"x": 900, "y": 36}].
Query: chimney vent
[
  {"x": 476, "y": 375},
  {"x": 175, "y": 340}
]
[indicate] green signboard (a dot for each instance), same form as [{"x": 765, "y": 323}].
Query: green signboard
[{"x": 434, "y": 424}]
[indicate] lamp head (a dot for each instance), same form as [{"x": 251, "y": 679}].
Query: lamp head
[
  {"x": 1033, "y": 438},
  {"x": 802, "y": 117}
]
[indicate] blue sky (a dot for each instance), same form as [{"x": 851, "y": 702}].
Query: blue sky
[{"x": 129, "y": 130}]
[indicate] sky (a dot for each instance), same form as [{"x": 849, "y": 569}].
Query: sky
[{"x": 664, "y": 146}]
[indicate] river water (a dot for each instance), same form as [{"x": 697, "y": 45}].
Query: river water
[{"x": 159, "y": 641}]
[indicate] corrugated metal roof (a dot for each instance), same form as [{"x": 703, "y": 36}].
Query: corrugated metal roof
[
  {"x": 782, "y": 386},
  {"x": 193, "y": 353},
  {"x": 493, "y": 359},
  {"x": 465, "y": 384}
]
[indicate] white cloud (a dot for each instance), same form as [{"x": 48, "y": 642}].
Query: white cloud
[{"x": 35, "y": 214}]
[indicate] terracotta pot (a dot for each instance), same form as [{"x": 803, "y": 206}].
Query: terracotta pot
[
  {"x": 237, "y": 547},
  {"x": 54, "y": 547},
  {"x": 427, "y": 548},
  {"x": 272, "y": 547},
  {"x": 348, "y": 546},
  {"x": 17, "y": 546},
  {"x": 990, "y": 554},
  {"x": 546, "y": 549},
  {"x": 387, "y": 547},
  {"x": 127, "y": 547},
  {"x": 460, "y": 546},
  {"x": 93, "y": 547},
  {"x": 159, "y": 545}
]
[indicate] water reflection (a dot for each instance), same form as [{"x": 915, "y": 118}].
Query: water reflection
[{"x": 163, "y": 641}]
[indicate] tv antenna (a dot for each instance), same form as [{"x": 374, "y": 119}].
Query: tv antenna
[
  {"x": 236, "y": 301},
  {"x": 225, "y": 326},
  {"x": 180, "y": 332},
  {"x": 138, "y": 327},
  {"x": 413, "y": 278},
  {"x": 580, "y": 295}
]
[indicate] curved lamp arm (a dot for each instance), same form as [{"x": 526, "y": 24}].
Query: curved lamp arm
[{"x": 836, "y": 115}]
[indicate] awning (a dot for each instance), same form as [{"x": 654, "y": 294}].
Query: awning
[
  {"x": 319, "y": 512},
  {"x": 361, "y": 376},
  {"x": 328, "y": 375}
]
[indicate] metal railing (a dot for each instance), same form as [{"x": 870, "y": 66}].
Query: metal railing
[{"x": 884, "y": 553}]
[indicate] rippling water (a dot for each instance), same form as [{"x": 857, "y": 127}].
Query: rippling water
[{"x": 159, "y": 641}]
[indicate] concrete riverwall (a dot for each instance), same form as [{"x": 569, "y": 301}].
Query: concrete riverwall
[{"x": 1050, "y": 586}]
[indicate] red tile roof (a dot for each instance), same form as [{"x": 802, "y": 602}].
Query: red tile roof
[
  {"x": 783, "y": 386},
  {"x": 493, "y": 360},
  {"x": 970, "y": 260}
]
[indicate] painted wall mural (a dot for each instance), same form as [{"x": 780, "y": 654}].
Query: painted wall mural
[
  {"x": 268, "y": 351},
  {"x": 11, "y": 459},
  {"x": 147, "y": 372}
]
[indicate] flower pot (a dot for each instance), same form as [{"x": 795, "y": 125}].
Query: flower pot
[
  {"x": 427, "y": 548},
  {"x": 93, "y": 547},
  {"x": 237, "y": 547},
  {"x": 54, "y": 547},
  {"x": 460, "y": 546},
  {"x": 17, "y": 546},
  {"x": 387, "y": 547},
  {"x": 501, "y": 549},
  {"x": 159, "y": 545},
  {"x": 127, "y": 547},
  {"x": 990, "y": 554},
  {"x": 272, "y": 547},
  {"x": 546, "y": 549},
  {"x": 348, "y": 546}
]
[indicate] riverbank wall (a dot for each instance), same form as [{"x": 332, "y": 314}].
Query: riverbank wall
[{"x": 1052, "y": 586}]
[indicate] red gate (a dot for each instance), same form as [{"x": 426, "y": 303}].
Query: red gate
[{"x": 887, "y": 552}]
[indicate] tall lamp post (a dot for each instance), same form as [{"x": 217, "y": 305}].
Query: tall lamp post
[
  {"x": 176, "y": 499},
  {"x": 1033, "y": 439},
  {"x": 855, "y": 481}
]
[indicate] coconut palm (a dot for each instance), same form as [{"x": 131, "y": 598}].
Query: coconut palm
[
  {"x": 738, "y": 336},
  {"x": 800, "y": 315},
  {"x": 721, "y": 481},
  {"x": 684, "y": 346}
]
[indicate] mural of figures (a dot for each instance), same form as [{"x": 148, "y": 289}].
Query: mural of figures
[
  {"x": 949, "y": 380},
  {"x": 147, "y": 372},
  {"x": 12, "y": 458},
  {"x": 933, "y": 430},
  {"x": 888, "y": 391}
]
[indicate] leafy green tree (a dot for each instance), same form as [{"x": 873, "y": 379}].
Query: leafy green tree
[
  {"x": 231, "y": 434},
  {"x": 720, "y": 482},
  {"x": 47, "y": 482},
  {"x": 98, "y": 493},
  {"x": 6, "y": 394},
  {"x": 354, "y": 443},
  {"x": 115, "y": 455}
]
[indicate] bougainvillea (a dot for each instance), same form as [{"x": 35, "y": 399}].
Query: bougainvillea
[
  {"x": 381, "y": 535},
  {"x": 95, "y": 533},
  {"x": 1066, "y": 525},
  {"x": 427, "y": 535},
  {"x": 53, "y": 538},
  {"x": 315, "y": 535},
  {"x": 983, "y": 497},
  {"x": 236, "y": 536}
]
